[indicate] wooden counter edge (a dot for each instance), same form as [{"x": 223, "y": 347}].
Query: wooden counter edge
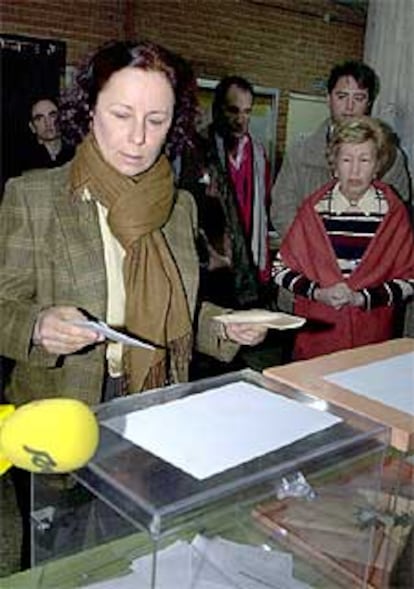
[{"x": 307, "y": 375}]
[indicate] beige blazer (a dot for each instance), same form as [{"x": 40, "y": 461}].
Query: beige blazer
[{"x": 51, "y": 253}]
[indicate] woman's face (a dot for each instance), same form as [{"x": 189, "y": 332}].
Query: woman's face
[
  {"x": 131, "y": 119},
  {"x": 355, "y": 168}
]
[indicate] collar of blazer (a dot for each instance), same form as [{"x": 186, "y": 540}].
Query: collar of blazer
[{"x": 81, "y": 242}]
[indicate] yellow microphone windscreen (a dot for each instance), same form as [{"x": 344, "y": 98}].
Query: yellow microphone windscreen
[{"x": 50, "y": 436}]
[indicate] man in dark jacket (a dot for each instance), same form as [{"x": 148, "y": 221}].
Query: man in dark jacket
[{"x": 47, "y": 149}]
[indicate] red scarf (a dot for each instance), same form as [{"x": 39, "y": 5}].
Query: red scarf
[
  {"x": 241, "y": 175},
  {"x": 307, "y": 249}
]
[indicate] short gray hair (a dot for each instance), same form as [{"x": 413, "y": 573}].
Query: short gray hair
[{"x": 358, "y": 130}]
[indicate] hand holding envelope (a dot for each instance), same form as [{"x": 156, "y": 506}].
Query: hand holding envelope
[
  {"x": 249, "y": 328},
  {"x": 113, "y": 335},
  {"x": 263, "y": 317}
]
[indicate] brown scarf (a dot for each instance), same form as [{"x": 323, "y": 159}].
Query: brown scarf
[{"x": 156, "y": 307}]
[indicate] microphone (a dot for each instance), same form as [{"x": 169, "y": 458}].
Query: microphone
[{"x": 48, "y": 436}]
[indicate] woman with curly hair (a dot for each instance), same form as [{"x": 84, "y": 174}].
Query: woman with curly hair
[
  {"x": 107, "y": 236},
  {"x": 78, "y": 101},
  {"x": 348, "y": 257}
]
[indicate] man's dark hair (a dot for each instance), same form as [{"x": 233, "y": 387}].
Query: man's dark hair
[
  {"x": 222, "y": 89},
  {"x": 363, "y": 75},
  {"x": 38, "y": 98}
]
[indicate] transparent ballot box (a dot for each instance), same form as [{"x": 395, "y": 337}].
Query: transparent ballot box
[{"x": 231, "y": 481}]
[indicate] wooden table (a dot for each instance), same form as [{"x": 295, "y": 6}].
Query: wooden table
[{"x": 308, "y": 376}]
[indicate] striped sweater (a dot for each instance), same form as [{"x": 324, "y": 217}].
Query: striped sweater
[{"x": 350, "y": 227}]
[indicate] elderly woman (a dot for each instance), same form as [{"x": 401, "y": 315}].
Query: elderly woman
[
  {"x": 348, "y": 258},
  {"x": 107, "y": 236}
]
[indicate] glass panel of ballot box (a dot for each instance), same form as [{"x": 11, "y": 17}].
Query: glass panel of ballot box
[{"x": 230, "y": 481}]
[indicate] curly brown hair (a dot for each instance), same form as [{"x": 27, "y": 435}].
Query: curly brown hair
[
  {"x": 93, "y": 73},
  {"x": 359, "y": 130}
]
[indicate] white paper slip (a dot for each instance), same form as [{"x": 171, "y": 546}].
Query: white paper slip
[
  {"x": 271, "y": 319},
  {"x": 389, "y": 381},
  {"x": 113, "y": 334},
  {"x": 218, "y": 429},
  {"x": 210, "y": 563},
  {"x": 243, "y": 565},
  {"x": 130, "y": 581}
]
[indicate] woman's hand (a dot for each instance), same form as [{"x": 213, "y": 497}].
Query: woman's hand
[
  {"x": 245, "y": 334},
  {"x": 358, "y": 299},
  {"x": 336, "y": 296},
  {"x": 55, "y": 332}
]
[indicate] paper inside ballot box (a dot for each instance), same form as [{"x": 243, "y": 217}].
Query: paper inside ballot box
[
  {"x": 327, "y": 535},
  {"x": 328, "y": 524}
]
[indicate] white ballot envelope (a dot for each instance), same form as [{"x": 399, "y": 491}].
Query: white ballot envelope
[
  {"x": 271, "y": 319},
  {"x": 113, "y": 334}
]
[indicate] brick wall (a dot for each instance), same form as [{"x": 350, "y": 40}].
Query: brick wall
[
  {"x": 82, "y": 24},
  {"x": 286, "y": 44}
]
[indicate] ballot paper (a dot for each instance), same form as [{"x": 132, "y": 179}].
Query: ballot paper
[
  {"x": 211, "y": 563},
  {"x": 207, "y": 433},
  {"x": 270, "y": 319},
  {"x": 389, "y": 381},
  {"x": 114, "y": 335},
  {"x": 242, "y": 565}
]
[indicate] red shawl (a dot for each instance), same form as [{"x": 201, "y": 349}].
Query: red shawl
[{"x": 307, "y": 249}]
